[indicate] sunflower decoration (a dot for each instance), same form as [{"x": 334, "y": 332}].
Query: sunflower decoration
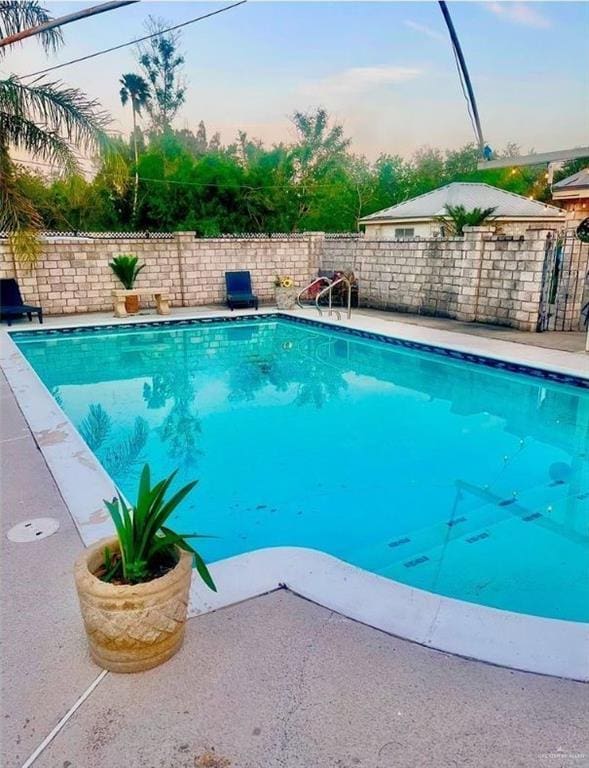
[{"x": 284, "y": 281}]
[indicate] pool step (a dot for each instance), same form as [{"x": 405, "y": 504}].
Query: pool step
[{"x": 477, "y": 522}]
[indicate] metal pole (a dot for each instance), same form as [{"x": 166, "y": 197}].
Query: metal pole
[
  {"x": 464, "y": 70},
  {"x": 62, "y": 20}
]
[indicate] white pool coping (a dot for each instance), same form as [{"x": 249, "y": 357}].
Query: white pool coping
[{"x": 520, "y": 641}]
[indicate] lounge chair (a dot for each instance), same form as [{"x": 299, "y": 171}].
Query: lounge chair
[
  {"x": 239, "y": 290},
  {"x": 12, "y": 305}
]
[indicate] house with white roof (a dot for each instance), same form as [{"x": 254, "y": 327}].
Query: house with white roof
[{"x": 419, "y": 216}]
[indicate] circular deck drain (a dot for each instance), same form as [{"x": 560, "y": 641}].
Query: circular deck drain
[{"x": 33, "y": 530}]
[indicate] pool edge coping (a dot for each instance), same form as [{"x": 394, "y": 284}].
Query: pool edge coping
[
  {"x": 486, "y": 350},
  {"x": 519, "y": 641}
]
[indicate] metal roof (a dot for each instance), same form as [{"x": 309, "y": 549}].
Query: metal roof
[
  {"x": 470, "y": 195},
  {"x": 576, "y": 181}
]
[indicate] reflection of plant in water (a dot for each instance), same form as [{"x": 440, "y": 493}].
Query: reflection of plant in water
[
  {"x": 119, "y": 457},
  {"x": 56, "y": 394},
  {"x": 321, "y": 383},
  {"x": 317, "y": 380},
  {"x": 249, "y": 377},
  {"x": 181, "y": 426},
  {"x": 158, "y": 392},
  {"x": 95, "y": 427}
]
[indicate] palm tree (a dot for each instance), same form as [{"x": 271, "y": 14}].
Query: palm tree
[
  {"x": 135, "y": 89},
  {"x": 457, "y": 217},
  {"x": 44, "y": 119}
]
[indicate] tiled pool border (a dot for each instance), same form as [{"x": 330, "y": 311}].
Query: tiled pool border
[
  {"x": 530, "y": 643},
  {"x": 558, "y": 377}
]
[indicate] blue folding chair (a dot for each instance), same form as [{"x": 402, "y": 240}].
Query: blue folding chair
[{"x": 239, "y": 290}]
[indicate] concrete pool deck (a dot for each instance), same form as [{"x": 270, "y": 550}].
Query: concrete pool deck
[{"x": 276, "y": 681}]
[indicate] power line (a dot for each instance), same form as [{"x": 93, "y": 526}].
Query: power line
[
  {"x": 63, "y": 20},
  {"x": 136, "y": 40},
  {"x": 201, "y": 184}
]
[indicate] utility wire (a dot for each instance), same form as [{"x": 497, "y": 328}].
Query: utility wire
[
  {"x": 202, "y": 184},
  {"x": 135, "y": 41}
]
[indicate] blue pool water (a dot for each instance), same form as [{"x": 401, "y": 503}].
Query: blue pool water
[{"x": 447, "y": 475}]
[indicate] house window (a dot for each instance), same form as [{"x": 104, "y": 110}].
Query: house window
[{"x": 401, "y": 233}]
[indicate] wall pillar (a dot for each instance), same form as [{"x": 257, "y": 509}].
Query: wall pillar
[
  {"x": 184, "y": 241},
  {"x": 470, "y": 272},
  {"x": 316, "y": 242}
]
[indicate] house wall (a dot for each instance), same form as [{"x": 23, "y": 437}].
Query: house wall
[
  {"x": 388, "y": 231},
  {"x": 431, "y": 228},
  {"x": 480, "y": 277},
  {"x": 576, "y": 210}
]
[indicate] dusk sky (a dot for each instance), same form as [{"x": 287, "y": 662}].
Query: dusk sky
[{"x": 385, "y": 70}]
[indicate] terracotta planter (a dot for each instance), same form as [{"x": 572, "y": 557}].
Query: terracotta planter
[
  {"x": 132, "y": 304},
  {"x": 131, "y": 628},
  {"x": 285, "y": 297}
]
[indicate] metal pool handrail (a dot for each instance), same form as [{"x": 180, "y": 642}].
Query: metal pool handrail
[
  {"x": 320, "y": 279},
  {"x": 328, "y": 289}
]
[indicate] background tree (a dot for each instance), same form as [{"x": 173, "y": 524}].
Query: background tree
[
  {"x": 315, "y": 182},
  {"x": 318, "y": 153},
  {"x": 161, "y": 62},
  {"x": 134, "y": 88},
  {"x": 47, "y": 120}
]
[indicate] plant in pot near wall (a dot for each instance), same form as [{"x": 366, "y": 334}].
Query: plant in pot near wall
[
  {"x": 133, "y": 587},
  {"x": 285, "y": 292},
  {"x": 126, "y": 268}
]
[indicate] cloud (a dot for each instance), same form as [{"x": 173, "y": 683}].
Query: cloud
[
  {"x": 427, "y": 31},
  {"x": 519, "y": 13},
  {"x": 357, "y": 80}
]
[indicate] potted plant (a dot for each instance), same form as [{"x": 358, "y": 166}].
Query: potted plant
[
  {"x": 126, "y": 269},
  {"x": 133, "y": 587},
  {"x": 285, "y": 292}
]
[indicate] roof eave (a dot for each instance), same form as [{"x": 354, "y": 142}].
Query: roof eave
[{"x": 551, "y": 216}]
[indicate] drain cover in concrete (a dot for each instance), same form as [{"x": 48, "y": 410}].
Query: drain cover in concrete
[{"x": 33, "y": 530}]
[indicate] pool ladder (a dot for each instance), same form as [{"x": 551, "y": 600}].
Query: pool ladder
[{"x": 328, "y": 291}]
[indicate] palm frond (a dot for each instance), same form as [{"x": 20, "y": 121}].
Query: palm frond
[
  {"x": 18, "y": 15},
  {"x": 48, "y": 145},
  {"x": 16, "y": 211},
  {"x": 57, "y": 109}
]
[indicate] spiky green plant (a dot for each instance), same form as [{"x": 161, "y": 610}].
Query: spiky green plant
[
  {"x": 125, "y": 268},
  {"x": 457, "y": 217},
  {"x": 143, "y": 536}
]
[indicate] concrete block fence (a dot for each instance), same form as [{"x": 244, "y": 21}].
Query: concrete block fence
[{"x": 480, "y": 277}]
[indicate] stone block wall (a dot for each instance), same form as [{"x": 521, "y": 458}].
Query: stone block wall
[
  {"x": 417, "y": 275},
  {"x": 483, "y": 276},
  {"x": 205, "y": 261},
  {"x": 73, "y": 273}
]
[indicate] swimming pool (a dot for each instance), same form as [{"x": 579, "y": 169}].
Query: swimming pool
[{"x": 444, "y": 472}]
